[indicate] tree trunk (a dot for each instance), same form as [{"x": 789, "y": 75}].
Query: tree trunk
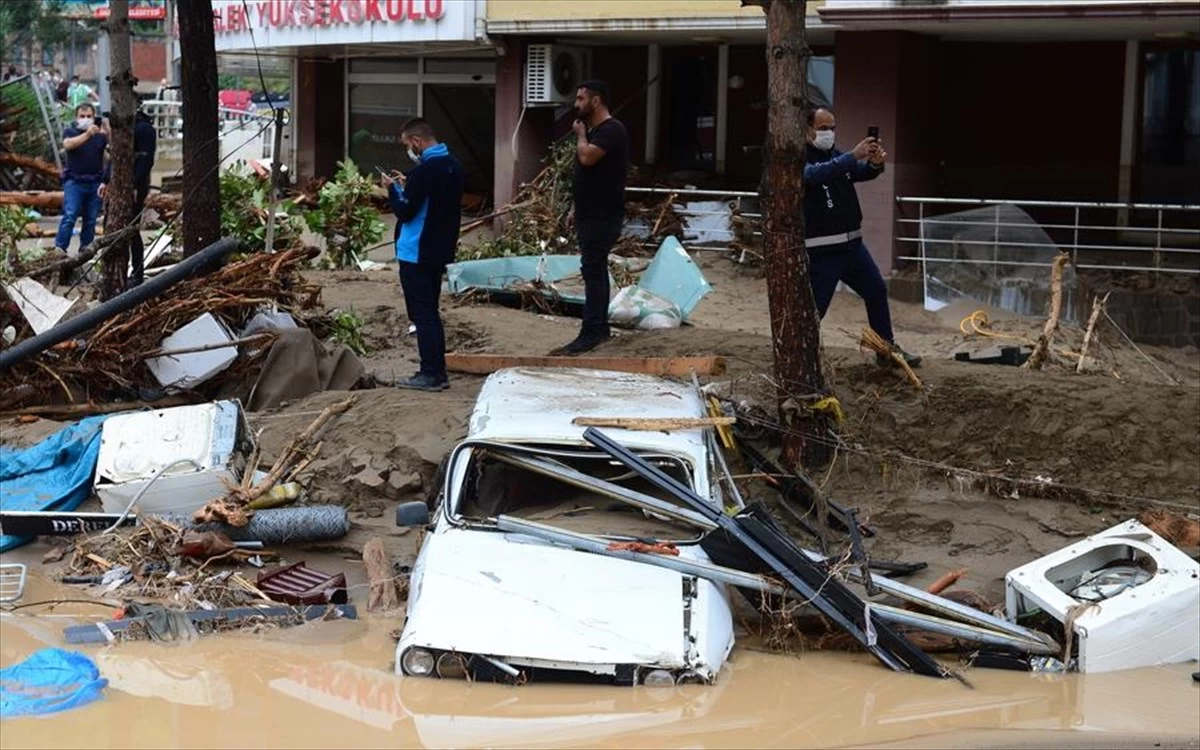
[
  {"x": 120, "y": 198},
  {"x": 201, "y": 144},
  {"x": 795, "y": 323}
]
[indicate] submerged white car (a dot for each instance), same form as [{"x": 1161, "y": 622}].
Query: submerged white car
[{"x": 524, "y": 606}]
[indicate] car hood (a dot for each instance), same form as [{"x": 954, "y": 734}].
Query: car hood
[{"x": 496, "y": 594}]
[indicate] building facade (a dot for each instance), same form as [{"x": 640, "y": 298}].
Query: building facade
[{"x": 1018, "y": 99}]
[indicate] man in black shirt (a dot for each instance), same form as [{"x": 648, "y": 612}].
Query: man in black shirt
[{"x": 601, "y": 160}]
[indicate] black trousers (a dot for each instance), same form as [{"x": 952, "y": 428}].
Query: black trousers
[
  {"x": 596, "y": 240},
  {"x": 137, "y": 250},
  {"x": 422, "y": 287}
]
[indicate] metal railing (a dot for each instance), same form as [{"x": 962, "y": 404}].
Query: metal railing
[
  {"x": 715, "y": 237},
  {"x": 1133, "y": 237},
  {"x": 235, "y": 125}
]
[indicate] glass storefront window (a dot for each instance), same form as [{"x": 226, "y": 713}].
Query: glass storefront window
[
  {"x": 384, "y": 65},
  {"x": 377, "y": 112}
]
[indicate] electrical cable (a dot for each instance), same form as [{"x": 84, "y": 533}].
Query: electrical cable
[
  {"x": 258, "y": 61},
  {"x": 138, "y": 496}
]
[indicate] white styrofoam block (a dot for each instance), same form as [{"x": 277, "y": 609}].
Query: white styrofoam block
[
  {"x": 1155, "y": 622},
  {"x": 190, "y": 370},
  {"x": 133, "y": 447},
  {"x": 41, "y": 307}
]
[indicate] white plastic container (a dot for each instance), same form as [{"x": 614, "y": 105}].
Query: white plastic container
[
  {"x": 133, "y": 447},
  {"x": 1146, "y": 596}
]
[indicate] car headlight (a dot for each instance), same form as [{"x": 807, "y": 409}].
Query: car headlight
[
  {"x": 691, "y": 677},
  {"x": 452, "y": 666},
  {"x": 658, "y": 678},
  {"x": 418, "y": 662}
]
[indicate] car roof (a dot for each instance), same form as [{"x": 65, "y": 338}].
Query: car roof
[{"x": 537, "y": 405}]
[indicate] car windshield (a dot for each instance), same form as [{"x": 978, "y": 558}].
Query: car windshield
[{"x": 525, "y": 486}]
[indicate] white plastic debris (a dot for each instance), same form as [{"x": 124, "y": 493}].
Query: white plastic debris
[
  {"x": 1132, "y": 598},
  {"x": 41, "y": 307},
  {"x": 191, "y": 369},
  {"x": 637, "y": 307}
]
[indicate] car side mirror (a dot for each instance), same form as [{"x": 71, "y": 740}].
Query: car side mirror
[{"x": 412, "y": 513}]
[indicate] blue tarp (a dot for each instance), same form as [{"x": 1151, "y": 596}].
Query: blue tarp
[
  {"x": 56, "y": 474},
  {"x": 675, "y": 277},
  {"x": 49, "y": 681},
  {"x": 500, "y": 274}
]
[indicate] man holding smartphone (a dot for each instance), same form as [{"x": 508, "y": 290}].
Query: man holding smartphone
[{"x": 833, "y": 223}]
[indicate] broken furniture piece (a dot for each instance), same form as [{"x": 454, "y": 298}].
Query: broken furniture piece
[
  {"x": 1130, "y": 598},
  {"x": 299, "y": 584}
]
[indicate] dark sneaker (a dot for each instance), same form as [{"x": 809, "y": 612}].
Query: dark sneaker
[
  {"x": 422, "y": 382},
  {"x": 911, "y": 359},
  {"x": 581, "y": 344}
]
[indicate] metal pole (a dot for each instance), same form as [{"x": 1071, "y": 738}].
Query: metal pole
[
  {"x": 1075, "y": 241},
  {"x": 274, "y": 186},
  {"x": 958, "y": 630},
  {"x": 585, "y": 543},
  {"x": 1158, "y": 241},
  {"x": 924, "y": 265}
]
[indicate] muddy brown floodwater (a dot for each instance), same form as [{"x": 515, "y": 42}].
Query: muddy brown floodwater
[{"x": 329, "y": 684}]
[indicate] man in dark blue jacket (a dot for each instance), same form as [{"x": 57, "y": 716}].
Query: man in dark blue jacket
[
  {"x": 428, "y": 207},
  {"x": 85, "y": 143},
  {"x": 833, "y": 224}
]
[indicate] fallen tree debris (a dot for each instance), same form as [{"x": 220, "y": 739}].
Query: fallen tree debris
[
  {"x": 1041, "y": 350},
  {"x": 233, "y": 508},
  {"x": 1098, "y": 306},
  {"x": 384, "y": 594}
]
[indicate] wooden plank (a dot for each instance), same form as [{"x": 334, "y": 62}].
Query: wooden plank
[
  {"x": 654, "y": 424},
  {"x": 485, "y": 364}
]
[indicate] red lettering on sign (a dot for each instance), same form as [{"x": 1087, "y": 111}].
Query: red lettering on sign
[
  {"x": 434, "y": 9},
  {"x": 335, "y": 12},
  {"x": 218, "y": 21},
  {"x": 372, "y": 12},
  {"x": 354, "y": 11},
  {"x": 290, "y": 15},
  {"x": 395, "y": 10},
  {"x": 413, "y": 13},
  {"x": 263, "y": 9},
  {"x": 306, "y": 13}
]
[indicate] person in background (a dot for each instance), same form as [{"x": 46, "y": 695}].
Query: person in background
[
  {"x": 601, "y": 161},
  {"x": 428, "y": 207},
  {"x": 145, "y": 146},
  {"x": 11, "y": 73},
  {"x": 833, "y": 225},
  {"x": 85, "y": 143},
  {"x": 80, "y": 93},
  {"x": 61, "y": 88}
]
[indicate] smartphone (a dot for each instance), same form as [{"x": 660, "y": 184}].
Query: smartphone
[{"x": 873, "y": 131}]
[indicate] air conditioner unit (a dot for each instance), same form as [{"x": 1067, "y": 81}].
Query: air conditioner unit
[{"x": 553, "y": 73}]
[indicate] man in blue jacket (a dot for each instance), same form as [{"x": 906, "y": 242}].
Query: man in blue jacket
[
  {"x": 833, "y": 224},
  {"x": 428, "y": 207}
]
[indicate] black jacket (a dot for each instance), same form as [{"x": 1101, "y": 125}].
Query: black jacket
[
  {"x": 429, "y": 209},
  {"x": 830, "y": 200}
]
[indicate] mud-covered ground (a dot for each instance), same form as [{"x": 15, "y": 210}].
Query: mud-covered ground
[{"x": 986, "y": 468}]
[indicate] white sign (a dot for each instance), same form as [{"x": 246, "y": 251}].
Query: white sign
[{"x": 306, "y": 23}]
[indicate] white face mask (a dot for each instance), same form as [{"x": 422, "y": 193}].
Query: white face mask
[
  {"x": 824, "y": 139},
  {"x": 83, "y": 123},
  {"x": 413, "y": 155}
]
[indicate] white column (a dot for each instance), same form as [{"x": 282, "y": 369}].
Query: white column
[
  {"x": 653, "y": 100},
  {"x": 1129, "y": 110},
  {"x": 722, "y": 105}
]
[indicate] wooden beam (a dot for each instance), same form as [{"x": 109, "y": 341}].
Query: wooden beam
[
  {"x": 654, "y": 424},
  {"x": 485, "y": 364}
]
